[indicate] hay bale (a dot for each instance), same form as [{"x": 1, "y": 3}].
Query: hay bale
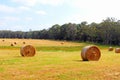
[
  {"x": 3, "y": 40},
  {"x": 23, "y": 42},
  {"x": 117, "y": 50},
  {"x": 90, "y": 53},
  {"x": 15, "y": 43},
  {"x": 110, "y": 49},
  {"x": 12, "y": 45},
  {"x": 27, "y": 51},
  {"x": 62, "y": 43}
]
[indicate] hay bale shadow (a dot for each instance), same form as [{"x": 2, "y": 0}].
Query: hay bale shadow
[{"x": 79, "y": 61}]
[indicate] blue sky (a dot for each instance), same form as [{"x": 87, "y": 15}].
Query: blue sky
[{"x": 24, "y": 15}]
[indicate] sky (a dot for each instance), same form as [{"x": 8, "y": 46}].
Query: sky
[{"x": 25, "y": 15}]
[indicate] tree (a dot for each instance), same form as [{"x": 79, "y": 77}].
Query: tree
[
  {"x": 68, "y": 31},
  {"x": 54, "y": 32},
  {"x": 106, "y": 30}
]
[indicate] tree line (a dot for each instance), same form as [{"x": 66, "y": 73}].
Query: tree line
[{"x": 106, "y": 32}]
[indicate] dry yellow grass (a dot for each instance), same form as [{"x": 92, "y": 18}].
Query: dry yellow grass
[
  {"x": 37, "y": 42},
  {"x": 56, "y": 65}
]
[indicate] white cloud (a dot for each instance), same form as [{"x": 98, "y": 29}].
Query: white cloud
[
  {"x": 3, "y": 24},
  {"x": 9, "y": 18},
  {"x": 14, "y": 28},
  {"x": 7, "y": 9},
  {"x": 78, "y": 18},
  {"x": 34, "y": 2},
  {"x": 24, "y": 8},
  {"x": 26, "y": 2},
  {"x": 94, "y": 10},
  {"x": 28, "y": 18},
  {"x": 75, "y": 19},
  {"x": 51, "y": 2},
  {"x": 41, "y": 12},
  {"x": 88, "y": 4}
]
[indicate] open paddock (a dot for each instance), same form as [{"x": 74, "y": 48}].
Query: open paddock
[{"x": 54, "y": 61}]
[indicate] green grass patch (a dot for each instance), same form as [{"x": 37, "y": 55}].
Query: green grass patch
[
  {"x": 1, "y": 69},
  {"x": 10, "y": 61},
  {"x": 10, "y": 47},
  {"x": 76, "y": 75},
  {"x": 59, "y": 48}
]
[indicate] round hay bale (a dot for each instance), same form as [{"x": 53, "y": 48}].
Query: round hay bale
[
  {"x": 27, "y": 51},
  {"x": 62, "y": 43},
  {"x": 90, "y": 53},
  {"x": 15, "y": 43},
  {"x": 3, "y": 40},
  {"x": 12, "y": 45},
  {"x": 117, "y": 50},
  {"x": 110, "y": 49},
  {"x": 23, "y": 42}
]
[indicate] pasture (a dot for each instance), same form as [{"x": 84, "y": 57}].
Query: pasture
[{"x": 55, "y": 60}]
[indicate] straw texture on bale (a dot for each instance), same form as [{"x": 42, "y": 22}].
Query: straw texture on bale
[
  {"x": 27, "y": 51},
  {"x": 90, "y": 53},
  {"x": 110, "y": 49},
  {"x": 117, "y": 50}
]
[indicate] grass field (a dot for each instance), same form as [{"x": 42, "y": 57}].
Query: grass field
[{"x": 55, "y": 61}]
